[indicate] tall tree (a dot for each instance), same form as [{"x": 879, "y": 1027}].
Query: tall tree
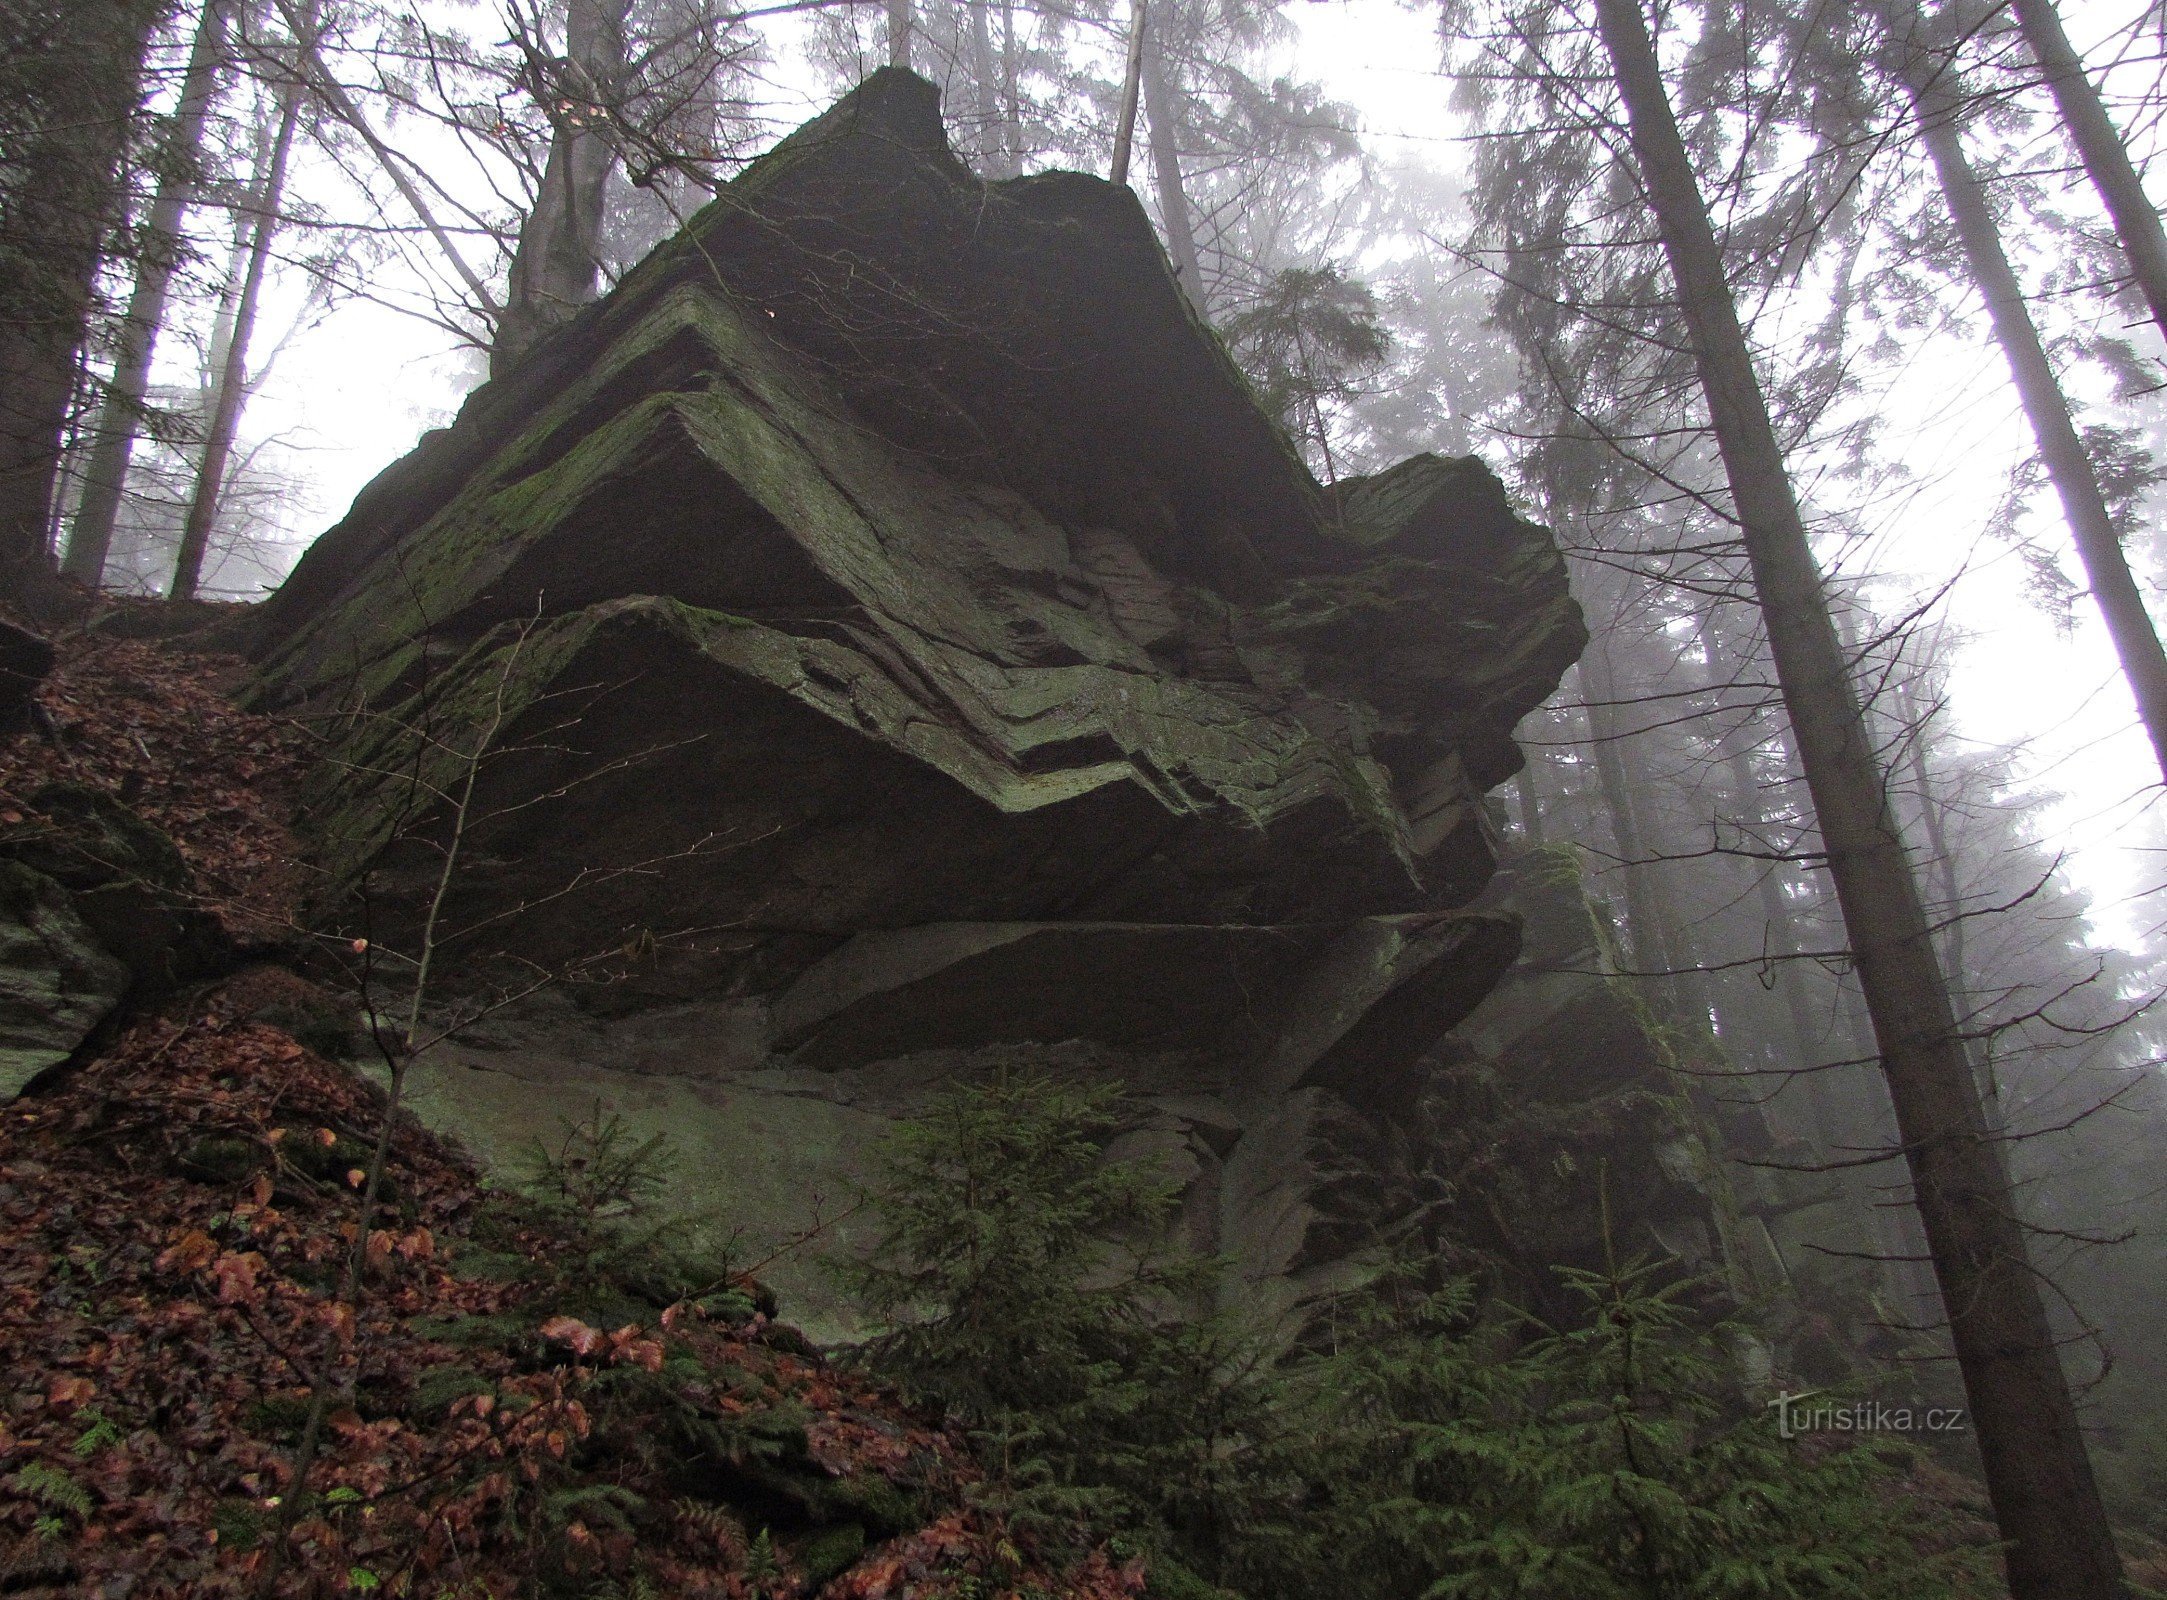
[
  {"x": 90, "y": 535},
  {"x": 2106, "y": 155},
  {"x": 70, "y": 77},
  {"x": 266, "y": 199},
  {"x": 1929, "y": 76},
  {"x": 556, "y": 265},
  {"x": 1161, "y": 110},
  {"x": 2038, "y": 1472}
]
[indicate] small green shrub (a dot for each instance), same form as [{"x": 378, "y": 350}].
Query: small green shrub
[
  {"x": 596, "y": 1171},
  {"x": 1438, "y": 1450},
  {"x": 830, "y": 1553}
]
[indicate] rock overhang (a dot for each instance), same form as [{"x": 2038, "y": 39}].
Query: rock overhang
[{"x": 894, "y": 550}]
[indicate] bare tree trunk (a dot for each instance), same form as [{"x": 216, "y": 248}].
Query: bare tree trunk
[
  {"x": 1649, "y": 941},
  {"x": 899, "y": 20},
  {"x": 1938, "y": 98},
  {"x": 1131, "y": 78},
  {"x": 1011, "y": 100},
  {"x": 1956, "y": 957},
  {"x": 2039, "y": 1475},
  {"x": 986, "y": 93},
  {"x": 2106, "y": 156},
  {"x": 329, "y": 93},
  {"x": 1779, "y": 927},
  {"x": 90, "y": 538},
  {"x": 233, "y": 370},
  {"x": 65, "y": 195},
  {"x": 556, "y": 265},
  {"x": 1527, "y": 793},
  {"x": 1166, "y": 167}
]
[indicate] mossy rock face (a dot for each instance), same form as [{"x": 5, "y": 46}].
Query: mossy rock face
[
  {"x": 96, "y": 905},
  {"x": 57, "y": 982},
  {"x": 885, "y": 483},
  {"x": 885, "y": 637},
  {"x": 830, "y": 1553}
]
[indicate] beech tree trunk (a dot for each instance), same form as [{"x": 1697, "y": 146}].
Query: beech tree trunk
[
  {"x": 1131, "y": 81},
  {"x": 2039, "y": 1475},
  {"x": 1159, "y": 108},
  {"x": 233, "y": 368},
  {"x": 90, "y": 537},
  {"x": 64, "y": 197},
  {"x": 1938, "y": 98},
  {"x": 1527, "y": 793},
  {"x": 986, "y": 94},
  {"x": 899, "y": 33},
  {"x": 2106, "y": 156},
  {"x": 556, "y": 265}
]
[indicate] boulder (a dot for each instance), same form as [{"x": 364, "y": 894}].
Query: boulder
[
  {"x": 25, "y": 659},
  {"x": 57, "y": 982},
  {"x": 96, "y": 907},
  {"x": 884, "y": 638}
]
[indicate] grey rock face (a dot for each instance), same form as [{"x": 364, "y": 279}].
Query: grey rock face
[
  {"x": 25, "y": 659},
  {"x": 57, "y": 982},
  {"x": 888, "y": 622}
]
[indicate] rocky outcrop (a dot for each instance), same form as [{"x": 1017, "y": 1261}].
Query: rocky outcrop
[
  {"x": 96, "y": 906},
  {"x": 25, "y": 659},
  {"x": 883, "y": 636}
]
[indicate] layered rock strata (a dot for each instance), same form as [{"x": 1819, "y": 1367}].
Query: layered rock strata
[{"x": 885, "y": 635}]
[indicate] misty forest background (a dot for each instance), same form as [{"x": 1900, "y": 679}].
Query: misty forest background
[{"x": 1900, "y": 205}]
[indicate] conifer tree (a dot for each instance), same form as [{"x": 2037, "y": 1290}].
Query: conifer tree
[
  {"x": 1929, "y": 76},
  {"x": 2106, "y": 155},
  {"x": 2038, "y": 1471}
]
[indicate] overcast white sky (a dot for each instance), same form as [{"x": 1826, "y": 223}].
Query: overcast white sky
[{"x": 354, "y": 394}]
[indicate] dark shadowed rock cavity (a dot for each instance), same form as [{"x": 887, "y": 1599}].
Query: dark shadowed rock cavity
[{"x": 903, "y": 646}]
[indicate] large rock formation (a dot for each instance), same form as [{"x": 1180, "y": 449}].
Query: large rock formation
[{"x": 894, "y": 626}]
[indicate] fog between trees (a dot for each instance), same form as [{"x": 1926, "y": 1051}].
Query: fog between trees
[{"x": 1903, "y": 422}]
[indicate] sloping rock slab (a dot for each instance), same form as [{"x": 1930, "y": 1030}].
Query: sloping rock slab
[
  {"x": 57, "y": 982},
  {"x": 1221, "y": 990},
  {"x": 705, "y": 777}
]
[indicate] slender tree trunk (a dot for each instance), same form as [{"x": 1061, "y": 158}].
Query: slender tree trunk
[
  {"x": 1649, "y": 943},
  {"x": 986, "y": 92},
  {"x": 1779, "y": 927},
  {"x": 1527, "y": 792},
  {"x": 1159, "y": 107},
  {"x": 233, "y": 369},
  {"x": 556, "y": 265},
  {"x": 1956, "y": 956},
  {"x": 1131, "y": 80},
  {"x": 1938, "y": 98},
  {"x": 90, "y": 539},
  {"x": 1011, "y": 101},
  {"x": 332, "y": 96},
  {"x": 2039, "y": 1475},
  {"x": 899, "y": 21},
  {"x": 2106, "y": 156},
  {"x": 64, "y": 195}
]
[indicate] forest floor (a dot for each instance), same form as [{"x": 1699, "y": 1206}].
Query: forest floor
[{"x": 521, "y": 1399}]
